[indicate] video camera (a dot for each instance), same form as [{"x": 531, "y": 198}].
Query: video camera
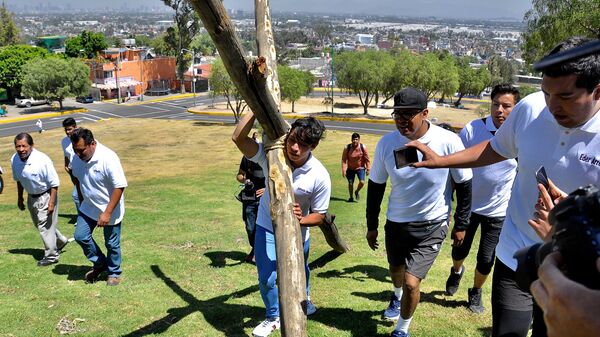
[
  {"x": 248, "y": 193},
  {"x": 576, "y": 222}
]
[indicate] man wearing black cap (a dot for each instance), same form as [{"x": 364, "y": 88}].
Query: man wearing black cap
[
  {"x": 556, "y": 129},
  {"x": 419, "y": 202}
]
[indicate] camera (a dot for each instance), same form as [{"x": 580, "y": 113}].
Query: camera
[
  {"x": 576, "y": 224},
  {"x": 248, "y": 193}
]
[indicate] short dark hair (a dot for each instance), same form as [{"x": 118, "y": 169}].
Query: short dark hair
[
  {"x": 82, "y": 133},
  {"x": 69, "y": 121},
  {"x": 506, "y": 88},
  {"x": 24, "y": 135},
  {"x": 355, "y": 135},
  {"x": 587, "y": 68},
  {"x": 309, "y": 130}
]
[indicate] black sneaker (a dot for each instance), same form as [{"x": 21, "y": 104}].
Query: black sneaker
[
  {"x": 475, "y": 304},
  {"x": 350, "y": 199},
  {"x": 453, "y": 281},
  {"x": 357, "y": 196},
  {"x": 45, "y": 262}
]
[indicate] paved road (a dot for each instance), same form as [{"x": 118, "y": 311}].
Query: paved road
[{"x": 172, "y": 109}]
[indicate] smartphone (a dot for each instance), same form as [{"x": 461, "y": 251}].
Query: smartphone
[
  {"x": 541, "y": 177},
  {"x": 405, "y": 156}
]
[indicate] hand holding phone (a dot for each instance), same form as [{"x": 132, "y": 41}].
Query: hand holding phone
[
  {"x": 405, "y": 156},
  {"x": 542, "y": 178}
]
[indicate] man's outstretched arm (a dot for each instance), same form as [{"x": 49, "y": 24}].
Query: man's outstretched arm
[{"x": 478, "y": 155}]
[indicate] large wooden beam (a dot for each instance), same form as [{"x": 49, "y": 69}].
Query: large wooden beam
[{"x": 257, "y": 84}]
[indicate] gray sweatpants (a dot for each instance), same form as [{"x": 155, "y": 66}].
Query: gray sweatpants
[{"x": 51, "y": 236}]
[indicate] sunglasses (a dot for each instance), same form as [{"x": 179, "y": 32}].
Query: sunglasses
[{"x": 405, "y": 116}]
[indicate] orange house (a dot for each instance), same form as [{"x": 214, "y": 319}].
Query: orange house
[{"x": 134, "y": 72}]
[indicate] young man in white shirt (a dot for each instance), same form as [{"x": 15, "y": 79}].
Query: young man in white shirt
[
  {"x": 492, "y": 185},
  {"x": 34, "y": 172},
  {"x": 418, "y": 206},
  {"x": 69, "y": 125},
  {"x": 557, "y": 129},
  {"x": 100, "y": 182},
  {"x": 312, "y": 189}
]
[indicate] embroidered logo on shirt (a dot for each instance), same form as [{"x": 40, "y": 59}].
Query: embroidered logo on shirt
[{"x": 589, "y": 158}]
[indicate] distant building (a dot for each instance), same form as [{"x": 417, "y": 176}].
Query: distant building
[
  {"x": 53, "y": 44},
  {"x": 366, "y": 39}
]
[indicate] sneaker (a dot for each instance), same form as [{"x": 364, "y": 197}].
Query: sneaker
[
  {"x": 45, "y": 262},
  {"x": 310, "y": 308},
  {"x": 399, "y": 333},
  {"x": 453, "y": 281},
  {"x": 475, "y": 304},
  {"x": 350, "y": 199},
  {"x": 266, "y": 327},
  {"x": 92, "y": 275},
  {"x": 113, "y": 281},
  {"x": 392, "y": 313},
  {"x": 357, "y": 196}
]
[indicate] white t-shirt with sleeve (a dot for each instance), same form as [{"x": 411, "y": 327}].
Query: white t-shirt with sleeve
[
  {"x": 418, "y": 194},
  {"x": 571, "y": 157},
  {"x": 98, "y": 178},
  {"x": 37, "y": 174},
  {"x": 492, "y": 184},
  {"x": 67, "y": 148},
  {"x": 312, "y": 190}
]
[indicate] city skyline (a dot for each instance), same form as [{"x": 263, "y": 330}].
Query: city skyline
[{"x": 467, "y": 9}]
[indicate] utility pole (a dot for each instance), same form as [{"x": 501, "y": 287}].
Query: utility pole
[
  {"x": 332, "y": 77},
  {"x": 117, "y": 78},
  {"x": 141, "y": 77}
]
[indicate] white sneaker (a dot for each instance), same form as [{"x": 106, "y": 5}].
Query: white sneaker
[{"x": 266, "y": 327}]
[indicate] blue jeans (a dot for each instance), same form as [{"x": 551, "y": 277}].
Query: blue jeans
[
  {"x": 266, "y": 263},
  {"x": 112, "y": 241},
  {"x": 249, "y": 212}
]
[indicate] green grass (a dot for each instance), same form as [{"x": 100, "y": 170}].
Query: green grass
[{"x": 183, "y": 244}]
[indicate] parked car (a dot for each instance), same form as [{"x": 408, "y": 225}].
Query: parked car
[
  {"x": 29, "y": 102},
  {"x": 85, "y": 99}
]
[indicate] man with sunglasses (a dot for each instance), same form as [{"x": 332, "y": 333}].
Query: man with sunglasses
[{"x": 418, "y": 205}]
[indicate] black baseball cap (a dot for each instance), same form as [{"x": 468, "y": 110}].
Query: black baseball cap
[{"x": 410, "y": 98}]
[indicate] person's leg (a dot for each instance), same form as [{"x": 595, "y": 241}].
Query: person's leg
[
  {"x": 250, "y": 211},
  {"x": 112, "y": 242},
  {"x": 396, "y": 263},
  {"x": 486, "y": 254},
  {"x": 75, "y": 197},
  {"x": 266, "y": 264},
  {"x": 459, "y": 254},
  {"x": 310, "y": 307},
  {"x": 350, "y": 177},
  {"x": 83, "y": 235},
  {"x": 38, "y": 209},
  {"x": 360, "y": 173},
  {"x": 511, "y": 307}
]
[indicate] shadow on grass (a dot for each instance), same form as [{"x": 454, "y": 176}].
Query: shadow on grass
[
  {"x": 219, "y": 259},
  {"x": 324, "y": 259},
  {"x": 358, "y": 323},
  {"x": 383, "y": 296},
  {"x": 73, "y": 272},
  {"x": 225, "y": 317},
  {"x": 486, "y": 332},
  {"x": 36, "y": 253},
  {"x": 208, "y": 123},
  {"x": 337, "y": 199},
  {"x": 72, "y": 217},
  {"x": 438, "y": 297},
  {"x": 360, "y": 273}
]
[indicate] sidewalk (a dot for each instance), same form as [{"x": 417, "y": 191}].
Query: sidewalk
[{"x": 16, "y": 114}]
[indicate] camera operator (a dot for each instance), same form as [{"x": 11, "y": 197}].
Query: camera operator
[
  {"x": 558, "y": 129},
  {"x": 253, "y": 178}
]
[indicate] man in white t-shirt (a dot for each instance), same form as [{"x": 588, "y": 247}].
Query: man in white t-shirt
[
  {"x": 69, "y": 125},
  {"x": 100, "y": 182},
  {"x": 312, "y": 189},
  {"x": 491, "y": 190},
  {"x": 557, "y": 129},
  {"x": 34, "y": 172},
  {"x": 418, "y": 206}
]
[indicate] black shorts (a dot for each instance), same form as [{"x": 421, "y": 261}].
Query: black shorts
[{"x": 414, "y": 245}]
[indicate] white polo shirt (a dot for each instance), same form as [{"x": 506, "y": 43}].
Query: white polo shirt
[
  {"x": 418, "y": 194},
  {"x": 98, "y": 178},
  {"x": 571, "y": 158},
  {"x": 67, "y": 148},
  {"x": 312, "y": 189},
  {"x": 37, "y": 174},
  {"x": 492, "y": 184}
]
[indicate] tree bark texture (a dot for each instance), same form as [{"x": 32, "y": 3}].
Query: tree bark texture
[{"x": 252, "y": 80}]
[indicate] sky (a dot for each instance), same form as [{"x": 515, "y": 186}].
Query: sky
[{"x": 472, "y": 9}]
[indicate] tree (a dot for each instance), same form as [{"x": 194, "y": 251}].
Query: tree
[
  {"x": 400, "y": 75},
  {"x": 161, "y": 47},
  {"x": 363, "y": 74},
  {"x": 12, "y": 60},
  {"x": 525, "y": 90},
  {"x": 323, "y": 32},
  {"x": 9, "y": 33},
  {"x": 447, "y": 79},
  {"x": 221, "y": 85},
  {"x": 471, "y": 81},
  {"x": 55, "y": 78},
  {"x": 142, "y": 40},
  {"x": 294, "y": 83},
  {"x": 203, "y": 44},
  {"x": 180, "y": 36},
  {"x": 85, "y": 45},
  {"x": 552, "y": 21},
  {"x": 501, "y": 71},
  {"x": 425, "y": 74}
]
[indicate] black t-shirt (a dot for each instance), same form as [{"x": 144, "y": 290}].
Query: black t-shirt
[{"x": 253, "y": 172}]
